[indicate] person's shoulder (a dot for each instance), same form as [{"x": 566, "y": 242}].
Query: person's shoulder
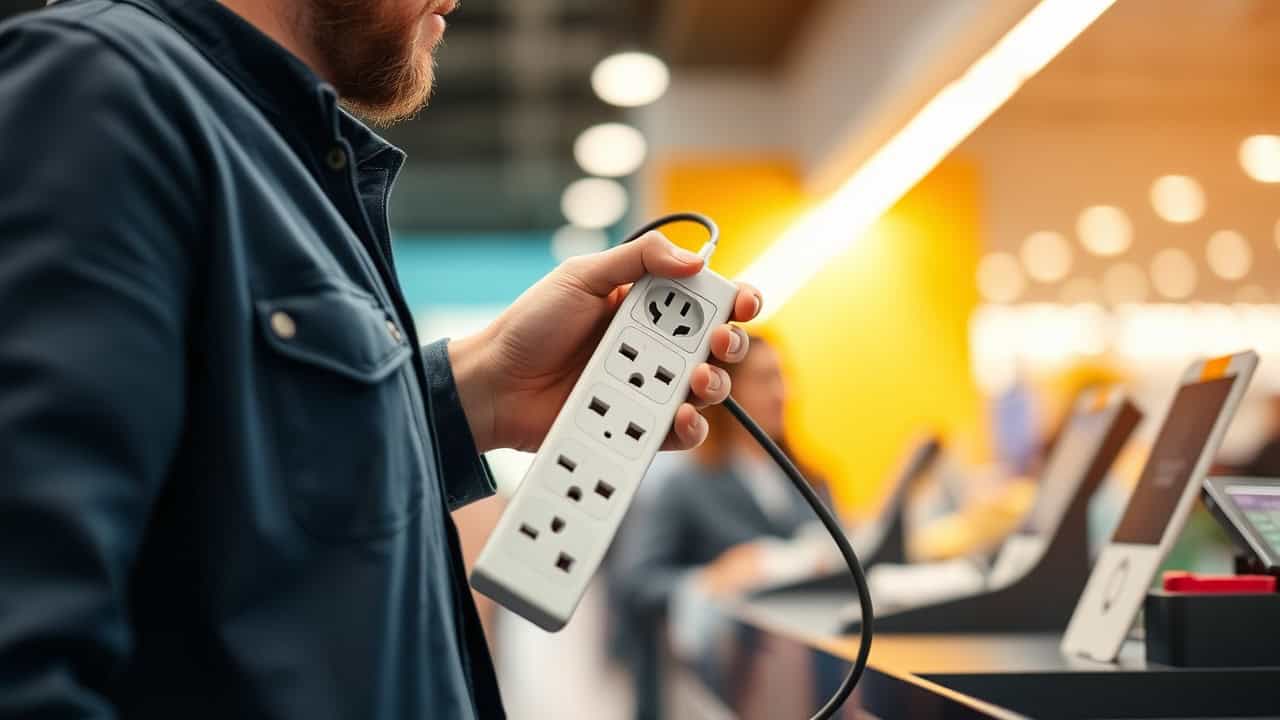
[{"x": 92, "y": 35}]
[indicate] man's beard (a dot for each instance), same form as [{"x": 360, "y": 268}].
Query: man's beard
[{"x": 373, "y": 57}]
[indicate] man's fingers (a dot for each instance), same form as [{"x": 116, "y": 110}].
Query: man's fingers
[
  {"x": 729, "y": 343},
  {"x": 688, "y": 431},
  {"x": 651, "y": 254},
  {"x": 748, "y": 304},
  {"x": 710, "y": 385}
]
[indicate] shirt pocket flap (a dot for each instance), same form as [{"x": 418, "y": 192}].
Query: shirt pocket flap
[{"x": 335, "y": 329}]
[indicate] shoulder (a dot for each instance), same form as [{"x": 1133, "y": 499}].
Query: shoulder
[{"x": 120, "y": 46}]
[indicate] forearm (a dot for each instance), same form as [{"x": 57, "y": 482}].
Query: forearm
[{"x": 472, "y": 376}]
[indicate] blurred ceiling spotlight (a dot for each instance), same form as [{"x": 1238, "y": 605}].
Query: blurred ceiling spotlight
[
  {"x": 1080, "y": 291},
  {"x": 610, "y": 150},
  {"x": 1177, "y": 198},
  {"x": 1229, "y": 255},
  {"x": 1105, "y": 230},
  {"x": 1260, "y": 157},
  {"x": 1000, "y": 278},
  {"x": 1173, "y": 273},
  {"x": 1047, "y": 256},
  {"x": 594, "y": 203},
  {"x": 1125, "y": 283},
  {"x": 571, "y": 241},
  {"x": 959, "y": 108},
  {"x": 630, "y": 79}
]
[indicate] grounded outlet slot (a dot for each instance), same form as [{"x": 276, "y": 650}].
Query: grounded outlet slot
[
  {"x": 685, "y": 310},
  {"x": 664, "y": 375},
  {"x": 604, "y": 489},
  {"x": 682, "y": 331},
  {"x": 564, "y": 562},
  {"x": 599, "y": 406},
  {"x": 575, "y": 493},
  {"x": 670, "y": 297},
  {"x": 634, "y": 431},
  {"x": 636, "y": 379},
  {"x": 557, "y": 525},
  {"x": 566, "y": 463},
  {"x": 628, "y": 352},
  {"x": 529, "y": 532}
]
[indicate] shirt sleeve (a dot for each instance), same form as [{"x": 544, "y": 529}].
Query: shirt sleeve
[
  {"x": 464, "y": 471},
  {"x": 97, "y": 203}
]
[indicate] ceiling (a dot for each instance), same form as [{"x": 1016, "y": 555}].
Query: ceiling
[{"x": 494, "y": 150}]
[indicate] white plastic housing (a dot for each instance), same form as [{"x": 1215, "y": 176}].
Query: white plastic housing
[{"x": 552, "y": 538}]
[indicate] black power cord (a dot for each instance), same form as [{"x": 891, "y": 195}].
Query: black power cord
[{"x": 793, "y": 473}]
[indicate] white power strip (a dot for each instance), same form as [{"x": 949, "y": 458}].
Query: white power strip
[{"x": 552, "y": 538}]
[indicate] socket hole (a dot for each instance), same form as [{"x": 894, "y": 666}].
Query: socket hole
[
  {"x": 566, "y": 463},
  {"x": 636, "y": 379},
  {"x": 628, "y": 352},
  {"x": 682, "y": 330},
  {"x": 670, "y": 297},
  {"x": 685, "y": 310},
  {"x": 634, "y": 431},
  {"x": 564, "y": 562},
  {"x": 529, "y": 532},
  {"x": 557, "y": 525},
  {"x": 575, "y": 493},
  {"x": 608, "y": 434},
  {"x": 599, "y": 406},
  {"x": 654, "y": 313},
  {"x": 604, "y": 489},
  {"x": 664, "y": 375}
]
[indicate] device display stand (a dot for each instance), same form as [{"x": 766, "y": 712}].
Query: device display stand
[
  {"x": 1041, "y": 600},
  {"x": 890, "y": 546}
]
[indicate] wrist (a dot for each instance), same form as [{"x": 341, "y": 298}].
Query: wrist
[{"x": 471, "y": 374}]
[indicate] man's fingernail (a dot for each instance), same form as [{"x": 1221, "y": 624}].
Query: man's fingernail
[
  {"x": 759, "y": 304},
  {"x": 699, "y": 423},
  {"x": 684, "y": 256},
  {"x": 735, "y": 341},
  {"x": 714, "y": 383}
]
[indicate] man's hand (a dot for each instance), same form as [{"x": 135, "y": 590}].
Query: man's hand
[{"x": 514, "y": 376}]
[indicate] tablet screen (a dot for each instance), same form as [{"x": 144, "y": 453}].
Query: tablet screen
[
  {"x": 1186, "y": 429},
  {"x": 1260, "y": 506}
]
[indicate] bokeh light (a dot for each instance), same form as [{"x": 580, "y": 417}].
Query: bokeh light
[
  {"x": 1105, "y": 230},
  {"x": 630, "y": 79},
  {"x": 1080, "y": 291},
  {"x": 1000, "y": 278},
  {"x": 1047, "y": 256},
  {"x": 1178, "y": 198},
  {"x": 1173, "y": 273},
  {"x": 1260, "y": 157},
  {"x": 1229, "y": 255},
  {"x": 594, "y": 203},
  {"x": 1125, "y": 283},
  {"x": 610, "y": 150}
]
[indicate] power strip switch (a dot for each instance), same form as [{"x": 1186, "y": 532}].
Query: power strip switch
[{"x": 551, "y": 539}]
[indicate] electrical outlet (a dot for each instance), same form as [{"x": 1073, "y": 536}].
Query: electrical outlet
[
  {"x": 677, "y": 314},
  {"x": 615, "y": 420},
  {"x": 645, "y": 364},
  {"x": 591, "y": 463}
]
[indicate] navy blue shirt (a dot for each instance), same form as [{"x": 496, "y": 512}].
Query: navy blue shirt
[{"x": 226, "y": 468}]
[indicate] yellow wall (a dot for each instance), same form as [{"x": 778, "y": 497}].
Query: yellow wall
[{"x": 877, "y": 343}]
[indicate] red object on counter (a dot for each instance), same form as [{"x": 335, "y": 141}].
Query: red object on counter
[{"x": 1185, "y": 582}]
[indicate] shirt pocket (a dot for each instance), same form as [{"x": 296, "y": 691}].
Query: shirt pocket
[{"x": 349, "y": 446}]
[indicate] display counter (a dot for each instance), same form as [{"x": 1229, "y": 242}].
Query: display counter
[{"x": 769, "y": 661}]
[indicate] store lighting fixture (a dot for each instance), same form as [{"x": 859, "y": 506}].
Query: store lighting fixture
[
  {"x": 943, "y": 123},
  {"x": 1229, "y": 254},
  {"x": 1260, "y": 157},
  {"x": 1047, "y": 256},
  {"x": 1000, "y": 278},
  {"x": 610, "y": 150},
  {"x": 594, "y": 203},
  {"x": 630, "y": 79},
  {"x": 1177, "y": 198}
]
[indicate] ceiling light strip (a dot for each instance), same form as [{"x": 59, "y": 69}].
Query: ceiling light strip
[{"x": 951, "y": 116}]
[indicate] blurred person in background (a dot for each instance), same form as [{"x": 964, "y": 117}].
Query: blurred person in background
[
  {"x": 226, "y": 463},
  {"x": 701, "y": 532}
]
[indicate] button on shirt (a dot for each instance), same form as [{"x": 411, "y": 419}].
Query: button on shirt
[{"x": 226, "y": 467}]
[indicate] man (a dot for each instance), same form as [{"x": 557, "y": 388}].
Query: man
[{"x": 225, "y": 465}]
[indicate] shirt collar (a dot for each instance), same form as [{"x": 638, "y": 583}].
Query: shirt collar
[{"x": 277, "y": 81}]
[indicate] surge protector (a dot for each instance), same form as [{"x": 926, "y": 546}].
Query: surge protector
[{"x": 553, "y": 536}]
